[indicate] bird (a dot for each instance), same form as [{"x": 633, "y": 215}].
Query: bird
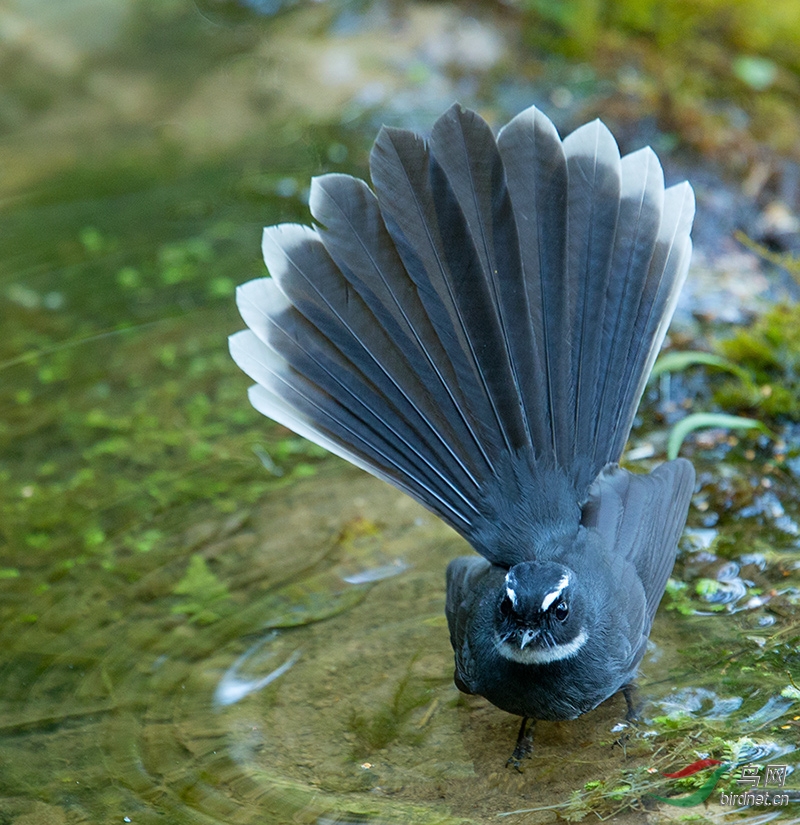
[{"x": 477, "y": 329}]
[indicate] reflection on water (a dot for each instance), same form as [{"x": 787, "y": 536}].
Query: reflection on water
[
  {"x": 699, "y": 701},
  {"x": 202, "y": 618},
  {"x": 234, "y": 686},
  {"x": 375, "y": 574}
]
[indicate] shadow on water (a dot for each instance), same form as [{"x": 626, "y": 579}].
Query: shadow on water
[{"x": 204, "y": 618}]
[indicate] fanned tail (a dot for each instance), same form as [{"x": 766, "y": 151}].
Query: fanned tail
[{"x": 485, "y": 321}]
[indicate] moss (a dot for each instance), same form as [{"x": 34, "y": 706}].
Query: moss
[
  {"x": 769, "y": 352},
  {"x": 701, "y": 66}
]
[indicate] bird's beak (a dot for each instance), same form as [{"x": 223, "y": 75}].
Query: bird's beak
[{"x": 528, "y": 636}]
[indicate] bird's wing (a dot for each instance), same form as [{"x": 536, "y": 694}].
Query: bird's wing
[
  {"x": 641, "y": 517},
  {"x": 466, "y": 583}
]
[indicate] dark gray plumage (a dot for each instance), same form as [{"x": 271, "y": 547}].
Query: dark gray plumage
[{"x": 478, "y": 332}]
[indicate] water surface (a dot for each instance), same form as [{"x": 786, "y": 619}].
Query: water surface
[{"x": 204, "y": 618}]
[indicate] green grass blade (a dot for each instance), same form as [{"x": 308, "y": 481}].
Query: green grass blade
[
  {"x": 679, "y": 361},
  {"x": 701, "y": 421}
]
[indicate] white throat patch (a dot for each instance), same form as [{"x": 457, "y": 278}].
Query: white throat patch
[
  {"x": 542, "y": 655},
  {"x": 553, "y": 595}
]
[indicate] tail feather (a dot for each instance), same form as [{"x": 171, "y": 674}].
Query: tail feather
[
  {"x": 310, "y": 354},
  {"x": 488, "y": 317},
  {"x": 668, "y": 269},
  {"x": 326, "y": 332},
  {"x": 536, "y": 176},
  {"x": 477, "y": 225},
  {"x": 281, "y": 407},
  {"x": 641, "y": 207},
  {"x": 593, "y": 172},
  {"x": 352, "y": 431},
  {"x": 356, "y": 238},
  {"x": 400, "y": 165},
  {"x": 314, "y": 286}
]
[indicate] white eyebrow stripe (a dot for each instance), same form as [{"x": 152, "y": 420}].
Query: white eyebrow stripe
[
  {"x": 551, "y": 597},
  {"x": 546, "y": 655},
  {"x": 512, "y": 594}
]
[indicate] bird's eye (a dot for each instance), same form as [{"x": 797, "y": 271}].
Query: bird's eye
[
  {"x": 562, "y": 611},
  {"x": 505, "y": 606}
]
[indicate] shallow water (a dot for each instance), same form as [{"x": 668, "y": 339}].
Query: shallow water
[{"x": 204, "y": 619}]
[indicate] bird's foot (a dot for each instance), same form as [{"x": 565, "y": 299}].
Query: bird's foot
[
  {"x": 633, "y": 703},
  {"x": 524, "y": 745},
  {"x": 631, "y": 717}
]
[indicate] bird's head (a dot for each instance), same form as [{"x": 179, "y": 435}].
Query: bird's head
[{"x": 540, "y": 614}]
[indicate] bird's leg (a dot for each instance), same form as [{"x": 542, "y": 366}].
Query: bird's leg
[
  {"x": 631, "y": 700},
  {"x": 632, "y": 716},
  {"x": 524, "y": 744}
]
